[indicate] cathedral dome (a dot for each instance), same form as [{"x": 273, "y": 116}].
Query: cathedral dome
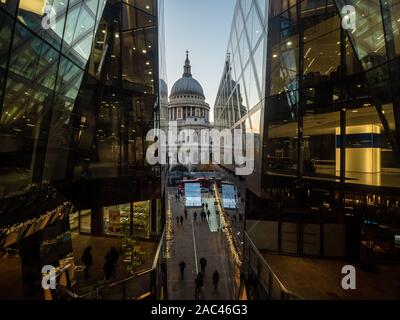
[{"x": 187, "y": 84}]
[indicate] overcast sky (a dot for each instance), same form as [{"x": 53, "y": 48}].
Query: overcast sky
[{"x": 203, "y": 28}]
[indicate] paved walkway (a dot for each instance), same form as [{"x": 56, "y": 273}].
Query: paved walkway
[{"x": 191, "y": 242}]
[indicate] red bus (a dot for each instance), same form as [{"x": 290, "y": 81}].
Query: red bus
[{"x": 205, "y": 183}]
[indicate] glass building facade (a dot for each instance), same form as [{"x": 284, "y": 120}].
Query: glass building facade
[
  {"x": 80, "y": 85},
  {"x": 323, "y": 104}
]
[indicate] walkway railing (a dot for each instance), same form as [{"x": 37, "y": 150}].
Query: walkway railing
[
  {"x": 262, "y": 283},
  {"x": 146, "y": 284}
]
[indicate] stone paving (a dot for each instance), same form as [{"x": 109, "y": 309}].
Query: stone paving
[{"x": 192, "y": 241}]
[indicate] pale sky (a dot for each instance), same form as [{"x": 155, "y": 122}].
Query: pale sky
[{"x": 203, "y": 28}]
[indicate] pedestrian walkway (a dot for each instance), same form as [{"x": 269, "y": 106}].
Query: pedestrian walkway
[{"x": 192, "y": 241}]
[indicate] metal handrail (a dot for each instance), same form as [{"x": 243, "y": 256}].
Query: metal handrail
[{"x": 265, "y": 263}]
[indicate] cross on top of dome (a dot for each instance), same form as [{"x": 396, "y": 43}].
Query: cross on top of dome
[{"x": 187, "y": 69}]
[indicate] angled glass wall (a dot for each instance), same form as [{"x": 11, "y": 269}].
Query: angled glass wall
[
  {"x": 324, "y": 101},
  {"x": 307, "y": 75},
  {"x": 41, "y": 72}
]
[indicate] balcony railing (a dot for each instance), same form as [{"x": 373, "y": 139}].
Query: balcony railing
[{"x": 261, "y": 282}]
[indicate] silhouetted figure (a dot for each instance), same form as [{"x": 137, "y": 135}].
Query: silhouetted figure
[
  {"x": 186, "y": 214},
  {"x": 215, "y": 279},
  {"x": 182, "y": 266},
  {"x": 206, "y": 205},
  {"x": 177, "y": 220},
  {"x": 111, "y": 260},
  {"x": 203, "y": 264},
  {"x": 208, "y": 214},
  {"x": 181, "y": 220},
  {"x": 195, "y": 216},
  {"x": 199, "y": 284},
  {"x": 87, "y": 259}
]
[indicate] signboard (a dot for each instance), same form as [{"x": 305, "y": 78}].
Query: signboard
[
  {"x": 228, "y": 196},
  {"x": 114, "y": 224},
  {"x": 192, "y": 195}
]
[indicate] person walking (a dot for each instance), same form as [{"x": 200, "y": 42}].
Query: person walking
[
  {"x": 208, "y": 214},
  {"x": 198, "y": 285},
  {"x": 110, "y": 263},
  {"x": 206, "y": 206},
  {"x": 87, "y": 259},
  {"x": 203, "y": 264},
  {"x": 177, "y": 220},
  {"x": 186, "y": 213},
  {"x": 181, "y": 220},
  {"x": 216, "y": 279},
  {"x": 182, "y": 266},
  {"x": 195, "y": 216}
]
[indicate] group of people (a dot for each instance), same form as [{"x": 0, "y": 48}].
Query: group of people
[
  {"x": 110, "y": 262},
  {"x": 179, "y": 220},
  {"x": 199, "y": 281},
  {"x": 204, "y": 214},
  {"x": 178, "y": 196}
]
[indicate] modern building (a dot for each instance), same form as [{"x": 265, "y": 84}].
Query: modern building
[
  {"x": 80, "y": 85},
  {"x": 322, "y": 101}
]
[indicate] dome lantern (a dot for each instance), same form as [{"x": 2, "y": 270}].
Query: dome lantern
[{"x": 187, "y": 85}]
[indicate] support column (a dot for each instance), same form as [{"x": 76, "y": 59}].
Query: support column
[{"x": 96, "y": 221}]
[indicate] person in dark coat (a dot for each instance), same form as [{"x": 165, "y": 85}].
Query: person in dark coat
[
  {"x": 181, "y": 220},
  {"x": 186, "y": 213},
  {"x": 215, "y": 279},
  {"x": 110, "y": 263},
  {"x": 208, "y": 214},
  {"x": 203, "y": 264},
  {"x": 182, "y": 266},
  {"x": 198, "y": 285},
  {"x": 195, "y": 216},
  {"x": 87, "y": 259}
]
